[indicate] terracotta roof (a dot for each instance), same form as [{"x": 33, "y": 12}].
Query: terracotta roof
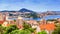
[
  {"x": 8, "y": 24},
  {"x": 1, "y": 22},
  {"x": 47, "y": 27}
]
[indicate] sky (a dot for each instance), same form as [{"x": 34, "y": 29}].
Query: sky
[{"x": 35, "y": 5}]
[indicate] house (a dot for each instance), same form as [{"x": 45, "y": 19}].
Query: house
[
  {"x": 1, "y": 22},
  {"x": 47, "y": 27},
  {"x": 43, "y": 21},
  {"x": 1, "y": 16},
  {"x": 5, "y": 24},
  {"x": 33, "y": 23}
]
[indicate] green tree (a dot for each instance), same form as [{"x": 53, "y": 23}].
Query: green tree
[
  {"x": 14, "y": 20},
  {"x": 10, "y": 29},
  {"x": 0, "y": 24},
  {"x": 34, "y": 15},
  {"x": 31, "y": 29},
  {"x": 42, "y": 32},
  {"x": 57, "y": 30},
  {"x": 20, "y": 32},
  {"x": 2, "y": 29},
  {"x": 28, "y": 27}
]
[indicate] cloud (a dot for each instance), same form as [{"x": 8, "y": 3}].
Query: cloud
[{"x": 35, "y": 5}]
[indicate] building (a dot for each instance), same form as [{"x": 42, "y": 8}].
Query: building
[
  {"x": 49, "y": 28},
  {"x": 5, "y": 24},
  {"x": 43, "y": 21},
  {"x": 1, "y": 17}
]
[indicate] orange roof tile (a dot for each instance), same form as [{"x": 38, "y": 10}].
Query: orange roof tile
[
  {"x": 1, "y": 22},
  {"x": 8, "y": 24},
  {"x": 47, "y": 27}
]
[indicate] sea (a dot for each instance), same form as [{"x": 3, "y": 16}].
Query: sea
[
  {"x": 45, "y": 17},
  {"x": 48, "y": 17}
]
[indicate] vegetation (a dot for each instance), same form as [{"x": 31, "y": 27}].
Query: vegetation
[
  {"x": 21, "y": 32},
  {"x": 14, "y": 20},
  {"x": 0, "y": 24},
  {"x": 51, "y": 20},
  {"x": 1, "y": 30},
  {"x": 10, "y": 29},
  {"x": 42, "y": 32},
  {"x": 34, "y": 15},
  {"x": 28, "y": 27},
  {"x": 57, "y": 30}
]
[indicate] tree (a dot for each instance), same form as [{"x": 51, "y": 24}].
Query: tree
[
  {"x": 51, "y": 20},
  {"x": 10, "y": 29},
  {"x": 34, "y": 15},
  {"x": 21, "y": 32},
  {"x": 0, "y": 24},
  {"x": 28, "y": 27},
  {"x": 57, "y": 30},
  {"x": 31, "y": 29},
  {"x": 14, "y": 20},
  {"x": 42, "y": 32},
  {"x": 2, "y": 29}
]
